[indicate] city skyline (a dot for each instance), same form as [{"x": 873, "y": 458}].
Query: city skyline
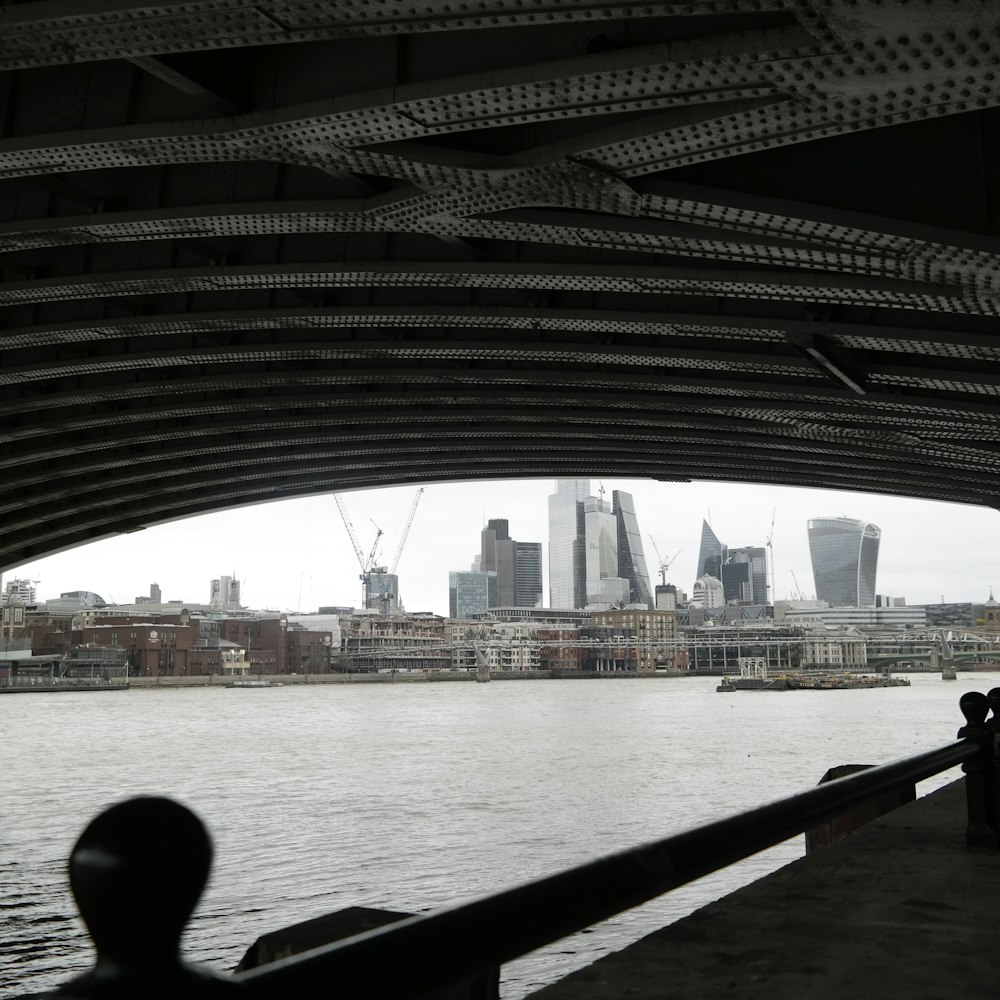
[{"x": 295, "y": 555}]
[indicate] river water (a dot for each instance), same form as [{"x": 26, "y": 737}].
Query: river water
[{"x": 409, "y": 796}]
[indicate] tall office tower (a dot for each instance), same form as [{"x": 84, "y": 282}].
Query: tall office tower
[
  {"x": 567, "y": 551},
  {"x": 517, "y": 566},
  {"x": 604, "y": 587},
  {"x": 496, "y": 555},
  {"x": 744, "y": 575},
  {"x": 155, "y": 594},
  {"x": 844, "y": 557},
  {"x": 631, "y": 558},
  {"x": 528, "y": 573},
  {"x": 496, "y": 530},
  {"x": 711, "y": 553}
]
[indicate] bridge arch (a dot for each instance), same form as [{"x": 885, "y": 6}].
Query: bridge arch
[{"x": 261, "y": 250}]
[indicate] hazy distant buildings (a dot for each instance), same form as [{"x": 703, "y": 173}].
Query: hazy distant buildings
[
  {"x": 844, "y": 555},
  {"x": 225, "y": 594}
]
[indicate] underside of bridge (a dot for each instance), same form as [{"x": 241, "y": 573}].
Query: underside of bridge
[{"x": 255, "y": 250}]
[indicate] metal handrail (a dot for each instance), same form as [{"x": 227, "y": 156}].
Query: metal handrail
[{"x": 452, "y": 944}]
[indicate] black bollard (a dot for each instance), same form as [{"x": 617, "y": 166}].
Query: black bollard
[
  {"x": 979, "y": 773},
  {"x": 137, "y": 872},
  {"x": 993, "y": 700}
]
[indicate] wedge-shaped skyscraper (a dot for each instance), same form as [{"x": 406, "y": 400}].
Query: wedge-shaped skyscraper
[
  {"x": 711, "y": 552},
  {"x": 844, "y": 557},
  {"x": 631, "y": 557}
]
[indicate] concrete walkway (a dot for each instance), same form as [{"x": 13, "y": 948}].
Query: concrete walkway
[{"x": 900, "y": 909}]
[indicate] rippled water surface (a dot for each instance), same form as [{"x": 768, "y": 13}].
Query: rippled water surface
[{"x": 408, "y": 796}]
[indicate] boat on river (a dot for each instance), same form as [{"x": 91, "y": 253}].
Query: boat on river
[{"x": 811, "y": 682}]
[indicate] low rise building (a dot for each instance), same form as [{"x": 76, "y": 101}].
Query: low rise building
[
  {"x": 373, "y": 642},
  {"x": 869, "y": 617},
  {"x": 839, "y": 648},
  {"x": 505, "y": 647},
  {"x": 719, "y": 649},
  {"x": 654, "y": 634}
]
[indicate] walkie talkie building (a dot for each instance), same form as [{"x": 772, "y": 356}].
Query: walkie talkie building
[{"x": 844, "y": 555}]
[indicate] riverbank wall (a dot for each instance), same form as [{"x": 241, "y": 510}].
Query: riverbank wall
[{"x": 428, "y": 677}]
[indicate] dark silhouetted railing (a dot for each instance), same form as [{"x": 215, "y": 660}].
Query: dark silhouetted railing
[{"x": 138, "y": 869}]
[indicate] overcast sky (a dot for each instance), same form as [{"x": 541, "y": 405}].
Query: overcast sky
[{"x": 296, "y": 555}]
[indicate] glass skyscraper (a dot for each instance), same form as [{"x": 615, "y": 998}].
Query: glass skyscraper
[
  {"x": 744, "y": 575},
  {"x": 528, "y": 570},
  {"x": 567, "y": 548},
  {"x": 596, "y": 557},
  {"x": 631, "y": 557},
  {"x": 470, "y": 593},
  {"x": 844, "y": 557},
  {"x": 711, "y": 553},
  {"x": 606, "y": 587}
]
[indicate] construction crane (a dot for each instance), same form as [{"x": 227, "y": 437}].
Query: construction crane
[
  {"x": 664, "y": 565},
  {"x": 385, "y": 598},
  {"x": 770, "y": 548},
  {"x": 366, "y": 564},
  {"x": 406, "y": 529},
  {"x": 798, "y": 589}
]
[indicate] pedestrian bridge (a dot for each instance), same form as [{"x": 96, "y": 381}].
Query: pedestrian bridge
[{"x": 260, "y": 250}]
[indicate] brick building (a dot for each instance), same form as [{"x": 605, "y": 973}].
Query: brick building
[{"x": 653, "y": 635}]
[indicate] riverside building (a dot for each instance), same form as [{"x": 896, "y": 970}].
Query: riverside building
[{"x": 653, "y": 633}]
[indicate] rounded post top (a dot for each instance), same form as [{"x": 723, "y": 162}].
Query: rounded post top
[
  {"x": 993, "y": 699},
  {"x": 974, "y": 706},
  {"x": 137, "y": 872}
]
